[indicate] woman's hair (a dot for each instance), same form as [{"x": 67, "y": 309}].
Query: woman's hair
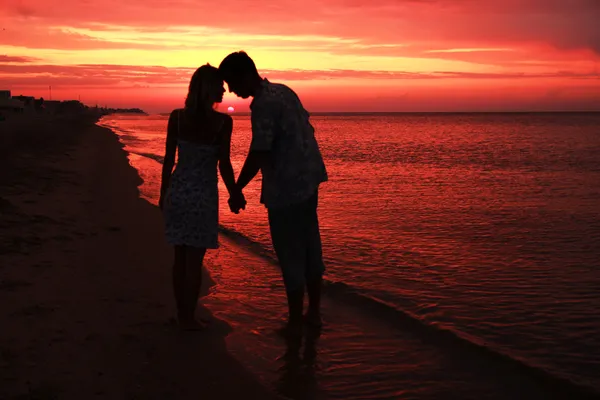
[{"x": 204, "y": 84}]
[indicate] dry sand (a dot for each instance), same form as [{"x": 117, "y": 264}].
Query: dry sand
[{"x": 85, "y": 299}]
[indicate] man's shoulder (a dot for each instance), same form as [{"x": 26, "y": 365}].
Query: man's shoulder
[
  {"x": 276, "y": 91},
  {"x": 275, "y": 86},
  {"x": 273, "y": 96}
]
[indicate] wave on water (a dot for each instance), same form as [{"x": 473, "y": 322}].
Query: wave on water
[
  {"x": 155, "y": 157},
  {"x": 129, "y": 136},
  {"x": 436, "y": 334}
]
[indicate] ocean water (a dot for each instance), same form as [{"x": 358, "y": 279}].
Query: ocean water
[{"x": 483, "y": 225}]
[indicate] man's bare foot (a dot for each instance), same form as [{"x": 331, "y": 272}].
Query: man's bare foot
[{"x": 192, "y": 325}]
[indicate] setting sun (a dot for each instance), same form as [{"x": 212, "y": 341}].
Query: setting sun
[{"x": 230, "y": 109}]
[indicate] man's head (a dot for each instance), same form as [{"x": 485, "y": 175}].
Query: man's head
[{"x": 239, "y": 71}]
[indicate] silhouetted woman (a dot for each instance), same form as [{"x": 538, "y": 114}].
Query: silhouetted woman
[{"x": 189, "y": 196}]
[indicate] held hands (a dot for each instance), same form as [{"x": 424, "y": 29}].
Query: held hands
[{"x": 236, "y": 202}]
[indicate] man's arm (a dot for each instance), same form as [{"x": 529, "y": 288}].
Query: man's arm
[
  {"x": 254, "y": 162},
  {"x": 264, "y": 120}
]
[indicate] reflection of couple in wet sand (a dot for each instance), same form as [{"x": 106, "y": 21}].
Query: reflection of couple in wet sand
[{"x": 283, "y": 148}]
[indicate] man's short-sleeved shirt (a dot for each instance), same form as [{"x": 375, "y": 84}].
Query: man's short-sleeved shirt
[{"x": 280, "y": 125}]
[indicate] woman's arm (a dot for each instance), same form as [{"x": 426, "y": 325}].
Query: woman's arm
[
  {"x": 169, "y": 160},
  {"x": 225, "y": 166},
  {"x": 236, "y": 198}
]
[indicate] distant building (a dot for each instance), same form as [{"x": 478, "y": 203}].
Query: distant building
[
  {"x": 51, "y": 106},
  {"x": 70, "y": 107},
  {"x": 28, "y": 101},
  {"x": 12, "y": 105},
  {"x": 29, "y": 105}
]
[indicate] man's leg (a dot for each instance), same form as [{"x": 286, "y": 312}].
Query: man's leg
[
  {"x": 315, "y": 266},
  {"x": 286, "y": 227},
  {"x": 295, "y": 306},
  {"x": 314, "y": 288}
]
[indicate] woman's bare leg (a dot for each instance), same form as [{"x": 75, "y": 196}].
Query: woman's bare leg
[
  {"x": 179, "y": 280},
  {"x": 193, "y": 281}
]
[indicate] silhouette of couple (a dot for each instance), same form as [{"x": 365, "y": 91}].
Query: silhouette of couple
[{"x": 283, "y": 148}]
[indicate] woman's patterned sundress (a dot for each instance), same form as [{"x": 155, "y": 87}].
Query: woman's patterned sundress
[{"x": 191, "y": 209}]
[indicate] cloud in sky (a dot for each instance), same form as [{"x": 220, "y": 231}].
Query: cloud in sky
[
  {"x": 564, "y": 24},
  {"x": 23, "y": 71},
  {"x": 5, "y": 59},
  {"x": 155, "y": 44}
]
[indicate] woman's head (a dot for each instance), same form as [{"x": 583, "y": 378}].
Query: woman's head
[{"x": 206, "y": 89}]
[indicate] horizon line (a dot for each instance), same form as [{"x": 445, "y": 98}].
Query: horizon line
[{"x": 425, "y": 112}]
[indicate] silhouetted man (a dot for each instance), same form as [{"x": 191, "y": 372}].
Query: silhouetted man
[{"x": 284, "y": 148}]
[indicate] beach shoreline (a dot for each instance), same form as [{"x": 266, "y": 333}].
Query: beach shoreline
[{"x": 85, "y": 294}]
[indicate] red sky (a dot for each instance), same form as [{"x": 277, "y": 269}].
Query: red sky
[{"x": 339, "y": 55}]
